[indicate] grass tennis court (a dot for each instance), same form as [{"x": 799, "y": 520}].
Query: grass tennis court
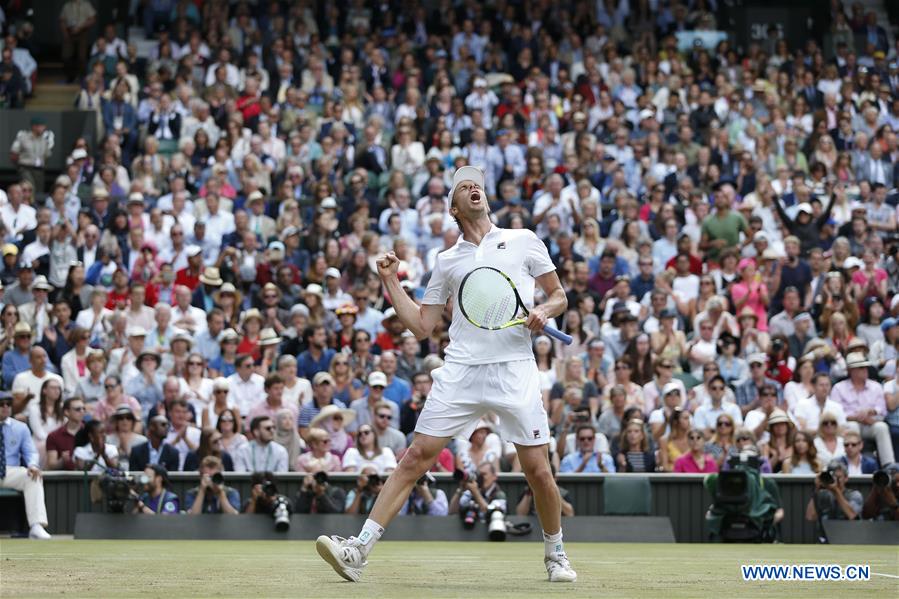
[{"x": 425, "y": 569}]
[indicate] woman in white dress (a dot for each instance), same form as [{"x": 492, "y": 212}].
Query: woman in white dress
[{"x": 368, "y": 452}]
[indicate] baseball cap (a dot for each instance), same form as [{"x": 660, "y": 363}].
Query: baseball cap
[
  {"x": 276, "y": 246},
  {"x": 804, "y": 207},
  {"x": 136, "y": 331},
  {"x": 852, "y": 262},
  {"x": 322, "y": 377},
  {"x": 332, "y": 272},
  {"x": 802, "y": 316},
  {"x": 669, "y": 388},
  {"x": 758, "y": 358},
  {"x": 193, "y": 250},
  {"x": 888, "y": 323},
  {"x": 466, "y": 173},
  {"x": 377, "y": 378},
  {"x": 220, "y": 383},
  {"x": 10, "y": 249},
  {"x": 328, "y": 203},
  {"x": 760, "y": 236}
]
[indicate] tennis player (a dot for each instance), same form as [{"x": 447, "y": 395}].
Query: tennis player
[{"x": 485, "y": 371}]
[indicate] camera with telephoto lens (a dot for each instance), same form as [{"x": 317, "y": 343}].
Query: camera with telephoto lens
[
  {"x": 881, "y": 479},
  {"x": 218, "y": 479},
  {"x": 496, "y": 520},
  {"x": 463, "y": 476},
  {"x": 120, "y": 489},
  {"x": 826, "y": 478},
  {"x": 272, "y": 501},
  {"x": 321, "y": 477}
]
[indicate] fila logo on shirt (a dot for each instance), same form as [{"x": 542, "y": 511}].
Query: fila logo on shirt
[{"x": 501, "y": 245}]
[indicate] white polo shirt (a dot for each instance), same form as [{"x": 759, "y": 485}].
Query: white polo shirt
[{"x": 516, "y": 252}]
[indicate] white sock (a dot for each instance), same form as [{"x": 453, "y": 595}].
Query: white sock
[
  {"x": 552, "y": 544},
  {"x": 371, "y": 532}
]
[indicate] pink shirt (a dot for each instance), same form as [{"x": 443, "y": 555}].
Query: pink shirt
[
  {"x": 741, "y": 290},
  {"x": 686, "y": 464},
  {"x": 263, "y": 409},
  {"x": 855, "y": 401}
]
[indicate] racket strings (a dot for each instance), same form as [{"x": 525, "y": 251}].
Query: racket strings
[{"x": 481, "y": 300}]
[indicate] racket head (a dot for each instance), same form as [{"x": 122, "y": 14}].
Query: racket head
[{"x": 488, "y": 299}]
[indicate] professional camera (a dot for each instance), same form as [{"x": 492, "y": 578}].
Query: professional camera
[
  {"x": 826, "y": 477},
  {"x": 120, "y": 490},
  {"x": 276, "y": 504},
  {"x": 743, "y": 507},
  {"x": 218, "y": 479},
  {"x": 321, "y": 477},
  {"x": 463, "y": 476},
  {"x": 496, "y": 520},
  {"x": 881, "y": 479}
]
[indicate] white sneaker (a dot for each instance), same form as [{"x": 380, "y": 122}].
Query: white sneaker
[
  {"x": 37, "y": 532},
  {"x": 559, "y": 568},
  {"x": 344, "y": 555}
]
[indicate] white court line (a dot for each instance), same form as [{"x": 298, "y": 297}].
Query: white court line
[{"x": 884, "y": 575}]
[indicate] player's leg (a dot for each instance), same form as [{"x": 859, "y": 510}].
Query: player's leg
[
  {"x": 534, "y": 461},
  {"x": 348, "y": 556}
]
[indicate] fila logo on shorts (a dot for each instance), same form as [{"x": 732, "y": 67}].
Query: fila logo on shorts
[{"x": 536, "y": 433}]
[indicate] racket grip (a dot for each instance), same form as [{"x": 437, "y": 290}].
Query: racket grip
[{"x": 566, "y": 339}]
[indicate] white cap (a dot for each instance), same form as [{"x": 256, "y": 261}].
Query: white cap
[
  {"x": 193, "y": 250},
  {"x": 646, "y": 114},
  {"x": 465, "y": 173},
  {"x": 852, "y": 262},
  {"x": 670, "y": 387},
  {"x": 332, "y": 272},
  {"x": 329, "y": 203},
  {"x": 805, "y": 207},
  {"x": 136, "y": 331},
  {"x": 760, "y": 236},
  {"x": 79, "y": 154},
  {"x": 480, "y": 82},
  {"x": 377, "y": 378}
]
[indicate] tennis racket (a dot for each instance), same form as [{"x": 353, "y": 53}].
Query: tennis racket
[{"x": 489, "y": 300}]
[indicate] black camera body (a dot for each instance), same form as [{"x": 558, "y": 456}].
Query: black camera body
[
  {"x": 881, "y": 479},
  {"x": 120, "y": 489},
  {"x": 826, "y": 477}
]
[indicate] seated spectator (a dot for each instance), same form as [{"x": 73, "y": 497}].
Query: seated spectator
[
  {"x": 745, "y": 440},
  {"x": 423, "y": 500},
  {"x": 586, "y": 458},
  {"x": 335, "y": 420},
  {"x": 609, "y": 424},
  {"x": 722, "y": 441},
  {"x": 706, "y": 416},
  {"x": 273, "y": 402},
  {"x": 385, "y": 427},
  {"x": 219, "y": 403},
  {"x": 92, "y": 453},
  {"x": 672, "y": 400},
  {"x": 864, "y": 403},
  {"x": 157, "y": 498},
  {"x": 233, "y": 441},
  {"x": 90, "y": 387},
  {"x": 809, "y": 411},
  {"x": 114, "y": 399},
  {"x": 183, "y": 436},
  {"x": 211, "y": 497},
  {"x": 124, "y": 436},
  {"x": 262, "y": 454},
  {"x": 18, "y": 448},
  {"x": 319, "y": 457},
  {"x": 779, "y": 446},
  {"x": 881, "y": 503},
  {"x": 675, "y": 443},
  {"x": 856, "y": 462},
  {"x": 696, "y": 460},
  {"x": 45, "y": 415},
  {"x": 368, "y": 452},
  {"x": 155, "y": 450},
  {"x": 61, "y": 442},
  {"x": 322, "y": 396},
  {"x": 286, "y": 436},
  {"x": 210, "y": 444},
  {"x": 33, "y": 373},
  {"x": 146, "y": 385},
  {"x": 16, "y": 359},
  {"x": 362, "y": 498},
  {"x": 804, "y": 458},
  {"x": 483, "y": 447},
  {"x": 634, "y": 453}
]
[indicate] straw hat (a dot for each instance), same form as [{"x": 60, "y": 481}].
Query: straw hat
[
  {"x": 268, "y": 336},
  {"x": 330, "y": 411},
  {"x": 211, "y": 276}
]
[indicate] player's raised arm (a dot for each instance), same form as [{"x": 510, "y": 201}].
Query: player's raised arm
[
  {"x": 556, "y": 302},
  {"x": 421, "y": 320}
]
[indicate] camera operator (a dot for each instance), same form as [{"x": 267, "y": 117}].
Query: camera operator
[
  {"x": 265, "y": 499},
  {"x": 318, "y": 496},
  {"x": 156, "y": 498},
  {"x": 883, "y": 500},
  {"x": 426, "y": 501},
  {"x": 212, "y": 496},
  {"x": 527, "y": 507},
  {"x": 474, "y": 496},
  {"x": 832, "y": 500},
  {"x": 368, "y": 485}
]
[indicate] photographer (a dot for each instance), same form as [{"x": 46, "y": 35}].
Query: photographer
[
  {"x": 474, "y": 496},
  {"x": 212, "y": 496},
  {"x": 318, "y": 496},
  {"x": 832, "y": 500},
  {"x": 265, "y": 499},
  {"x": 425, "y": 501},
  {"x": 882, "y": 502},
  {"x": 157, "y": 499},
  {"x": 527, "y": 507},
  {"x": 361, "y": 499}
]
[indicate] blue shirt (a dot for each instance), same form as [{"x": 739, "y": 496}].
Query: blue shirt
[
  {"x": 398, "y": 391},
  {"x": 208, "y": 347},
  {"x": 211, "y": 502},
  {"x": 572, "y": 462},
  {"x": 19, "y": 444},
  {"x": 308, "y": 367},
  {"x": 13, "y": 364},
  {"x": 311, "y": 410}
]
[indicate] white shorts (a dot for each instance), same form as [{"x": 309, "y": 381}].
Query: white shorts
[{"x": 462, "y": 394}]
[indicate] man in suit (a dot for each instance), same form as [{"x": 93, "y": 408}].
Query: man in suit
[
  {"x": 856, "y": 462},
  {"x": 874, "y": 167},
  {"x": 17, "y": 448},
  {"x": 371, "y": 156},
  {"x": 155, "y": 450}
]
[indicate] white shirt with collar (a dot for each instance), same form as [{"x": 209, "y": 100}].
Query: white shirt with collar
[{"x": 244, "y": 394}]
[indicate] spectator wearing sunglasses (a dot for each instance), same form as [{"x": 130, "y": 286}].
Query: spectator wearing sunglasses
[
  {"x": 319, "y": 457},
  {"x": 696, "y": 460},
  {"x": 829, "y": 442},
  {"x": 706, "y": 416},
  {"x": 262, "y": 454},
  {"x": 385, "y": 427},
  {"x": 748, "y": 394},
  {"x": 586, "y": 458}
]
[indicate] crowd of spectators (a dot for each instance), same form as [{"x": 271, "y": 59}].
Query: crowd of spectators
[{"x": 199, "y": 284}]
